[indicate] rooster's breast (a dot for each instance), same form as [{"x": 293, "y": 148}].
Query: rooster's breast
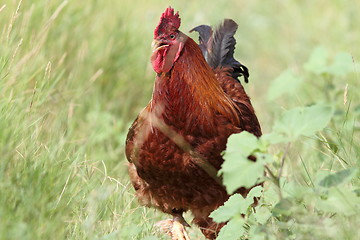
[{"x": 169, "y": 177}]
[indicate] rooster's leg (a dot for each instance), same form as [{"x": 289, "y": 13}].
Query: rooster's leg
[{"x": 175, "y": 227}]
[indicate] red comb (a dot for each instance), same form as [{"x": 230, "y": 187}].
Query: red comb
[{"x": 168, "y": 22}]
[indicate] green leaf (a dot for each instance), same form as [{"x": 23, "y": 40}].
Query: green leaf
[
  {"x": 241, "y": 173},
  {"x": 237, "y": 170},
  {"x": 317, "y": 62},
  {"x": 282, "y": 208},
  {"x": 262, "y": 214},
  {"x": 292, "y": 189},
  {"x": 357, "y": 192},
  {"x": 342, "y": 65},
  {"x": 257, "y": 233},
  {"x": 342, "y": 201},
  {"x": 286, "y": 83},
  {"x": 230, "y": 208},
  {"x": 271, "y": 196},
  {"x": 303, "y": 121},
  {"x": 233, "y": 230},
  {"x": 338, "y": 178},
  {"x": 236, "y": 205},
  {"x": 274, "y": 138},
  {"x": 264, "y": 158},
  {"x": 255, "y": 192},
  {"x": 242, "y": 143}
]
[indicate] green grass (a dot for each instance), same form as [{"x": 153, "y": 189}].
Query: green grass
[{"x": 74, "y": 75}]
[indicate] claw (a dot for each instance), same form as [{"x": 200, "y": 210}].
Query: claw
[
  {"x": 178, "y": 232},
  {"x": 179, "y": 218},
  {"x": 175, "y": 228}
]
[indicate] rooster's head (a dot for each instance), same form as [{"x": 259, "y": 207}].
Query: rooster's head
[{"x": 168, "y": 41}]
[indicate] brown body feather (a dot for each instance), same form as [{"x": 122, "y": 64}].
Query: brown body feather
[{"x": 203, "y": 107}]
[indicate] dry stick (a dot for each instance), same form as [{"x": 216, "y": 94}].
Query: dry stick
[
  {"x": 307, "y": 172},
  {"x": 283, "y": 159},
  {"x": 276, "y": 179},
  {"x": 32, "y": 97},
  {"x": 2, "y": 7}
]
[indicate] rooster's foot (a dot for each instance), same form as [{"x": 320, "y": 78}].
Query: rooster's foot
[{"x": 175, "y": 228}]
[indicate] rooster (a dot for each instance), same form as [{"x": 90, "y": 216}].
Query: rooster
[{"x": 175, "y": 145}]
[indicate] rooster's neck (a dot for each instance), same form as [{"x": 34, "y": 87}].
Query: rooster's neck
[{"x": 190, "y": 94}]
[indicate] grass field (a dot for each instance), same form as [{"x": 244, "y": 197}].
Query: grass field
[{"x": 74, "y": 75}]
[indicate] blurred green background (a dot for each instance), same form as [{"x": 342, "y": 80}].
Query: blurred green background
[{"x": 74, "y": 75}]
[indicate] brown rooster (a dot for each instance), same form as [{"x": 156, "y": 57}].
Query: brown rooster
[{"x": 174, "y": 146}]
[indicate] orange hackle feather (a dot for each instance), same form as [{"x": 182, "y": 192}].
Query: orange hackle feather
[{"x": 192, "y": 75}]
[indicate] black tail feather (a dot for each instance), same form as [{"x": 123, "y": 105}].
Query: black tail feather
[
  {"x": 218, "y": 47},
  {"x": 205, "y": 35}
]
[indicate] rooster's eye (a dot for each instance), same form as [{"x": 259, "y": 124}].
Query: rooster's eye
[{"x": 172, "y": 36}]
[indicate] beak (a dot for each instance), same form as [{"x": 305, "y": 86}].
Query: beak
[{"x": 157, "y": 45}]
